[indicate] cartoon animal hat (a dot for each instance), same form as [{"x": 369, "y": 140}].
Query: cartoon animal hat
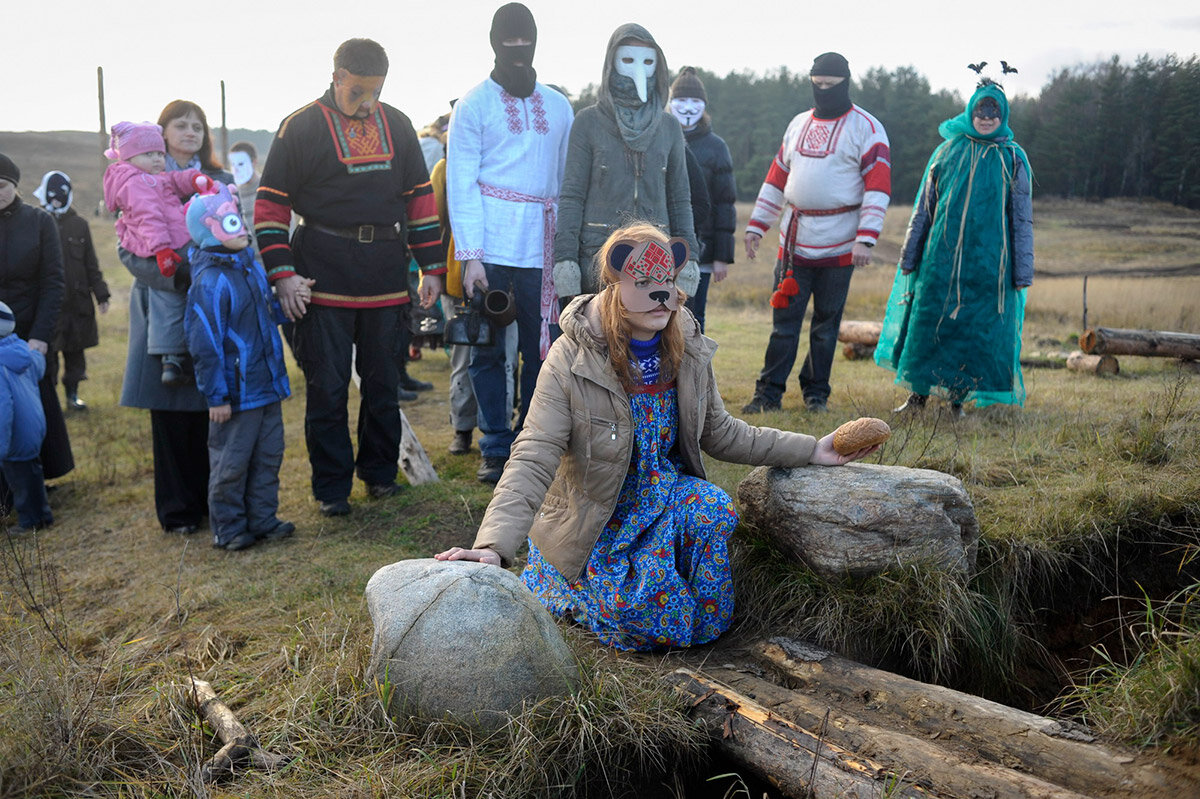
[
  {"x": 648, "y": 272},
  {"x": 134, "y": 138},
  {"x": 55, "y": 192},
  {"x": 213, "y": 219}
]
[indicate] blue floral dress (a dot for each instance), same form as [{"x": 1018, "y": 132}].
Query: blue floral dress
[{"x": 659, "y": 574}]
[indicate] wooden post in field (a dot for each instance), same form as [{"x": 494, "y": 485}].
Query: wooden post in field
[
  {"x": 1085, "y": 325},
  {"x": 224, "y": 127},
  {"x": 103, "y": 132}
]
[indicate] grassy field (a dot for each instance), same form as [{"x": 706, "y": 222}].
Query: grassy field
[{"x": 1089, "y": 499}]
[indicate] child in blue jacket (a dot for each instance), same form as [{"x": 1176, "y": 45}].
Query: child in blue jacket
[
  {"x": 22, "y": 425},
  {"x": 238, "y": 355}
]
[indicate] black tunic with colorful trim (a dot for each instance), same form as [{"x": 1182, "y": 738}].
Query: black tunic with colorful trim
[{"x": 341, "y": 172}]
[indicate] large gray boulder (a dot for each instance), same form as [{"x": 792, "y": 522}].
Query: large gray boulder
[
  {"x": 463, "y": 640},
  {"x": 861, "y": 519}
]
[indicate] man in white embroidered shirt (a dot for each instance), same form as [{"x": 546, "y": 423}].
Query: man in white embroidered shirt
[
  {"x": 504, "y": 165},
  {"x": 829, "y": 188}
]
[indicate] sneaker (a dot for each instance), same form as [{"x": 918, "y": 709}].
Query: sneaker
[
  {"x": 337, "y": 507},
  {"x": 243, "y": 540},
  {"x": 490, "y": 469},
  {"x": 461, "y": 444},
  {"x": 382, "y": 490},
  {"x": 412, "y": 384},
  {"x": 173, "y": 371},
  {"x": 74, "y": 403},
  {"x": 760, "y": 405},
  {"x": 181, "y": 529},
  {"x": 280, "y": 530},
  {"x": 815, "y": 405},
  {"x": 914, "y": 404}
]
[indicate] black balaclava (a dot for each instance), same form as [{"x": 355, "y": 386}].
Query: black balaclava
[
  {"x": 514, "y": 21},
  {"x": 831, "y": 103}
]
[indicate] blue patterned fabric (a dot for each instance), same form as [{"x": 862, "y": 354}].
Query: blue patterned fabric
[{"x": 659, "y": 573}]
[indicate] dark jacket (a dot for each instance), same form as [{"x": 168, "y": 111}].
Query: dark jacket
[
  {"x": 717, "y": 233},
  {"x": 231, "y": 331},
  {"x": 701, "y": 206},
  {"x": 31, "y": 269},
  {"x": 83, "y": 281}
]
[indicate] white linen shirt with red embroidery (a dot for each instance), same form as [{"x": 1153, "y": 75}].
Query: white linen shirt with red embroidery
[
  {"x": 517, "y": 146},
  {"x": 824, "y": 165}
]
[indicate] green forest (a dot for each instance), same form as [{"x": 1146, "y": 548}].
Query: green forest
[{"x": 1110, "y": 129}]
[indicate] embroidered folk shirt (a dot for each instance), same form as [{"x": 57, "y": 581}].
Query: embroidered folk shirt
[
  {"x": 517, "y": 146},
  {"x": 837, "y": 169},
  {"x": 340, "y": 172}
]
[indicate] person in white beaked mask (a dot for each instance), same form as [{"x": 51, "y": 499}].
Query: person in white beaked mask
[
  {"x": 243, "y": 162},
  {"x": 626, "y": 162}
]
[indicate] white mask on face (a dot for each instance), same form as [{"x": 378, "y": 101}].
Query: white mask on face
[
  {"x": 687, "y": 110},
  {"x": 243, "y": 170},
  {"x": 637, "y": 63}
]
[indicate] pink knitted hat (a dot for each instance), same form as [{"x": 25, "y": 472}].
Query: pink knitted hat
[{"x": 134, "y": 138}]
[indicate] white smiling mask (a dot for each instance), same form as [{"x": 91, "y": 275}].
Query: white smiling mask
[{"x": 638, "y": 64}]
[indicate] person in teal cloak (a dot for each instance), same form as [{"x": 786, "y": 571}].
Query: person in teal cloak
[{"x": 954, "y": 317}]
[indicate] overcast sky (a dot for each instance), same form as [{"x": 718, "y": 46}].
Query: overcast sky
[{"x": 275, "y": 57}]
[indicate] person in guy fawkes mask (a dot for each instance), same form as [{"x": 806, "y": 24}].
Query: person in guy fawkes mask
[
  {"x": 829, "y": 188},
  {"x": 626, "y": 163},
  {"x": 77, "y": 328},
  {"x": 504, "y": 164}
]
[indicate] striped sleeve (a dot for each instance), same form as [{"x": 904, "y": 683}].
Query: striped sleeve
[
  {"x": 875, "y": 166},
  {"x": 769, "y": 204},
  {"x": 424, "y": 232},
  {"x": 273, "y": 208}
]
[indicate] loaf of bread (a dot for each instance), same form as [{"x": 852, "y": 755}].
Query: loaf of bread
[{"x": 864, "y": 432}]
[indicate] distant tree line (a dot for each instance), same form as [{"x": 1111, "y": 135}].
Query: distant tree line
[{"x": 1105, "y": 130}]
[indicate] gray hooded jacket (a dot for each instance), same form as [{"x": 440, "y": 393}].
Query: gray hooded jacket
[{"x": 608, "y": 184}]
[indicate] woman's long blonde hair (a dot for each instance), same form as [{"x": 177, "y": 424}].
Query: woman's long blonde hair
[{"x": 614, "y": 319}]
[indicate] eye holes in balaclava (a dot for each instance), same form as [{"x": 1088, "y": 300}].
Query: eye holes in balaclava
[
  {"x": 638, "y": 63},
  {"x": 514, "y": 62}
]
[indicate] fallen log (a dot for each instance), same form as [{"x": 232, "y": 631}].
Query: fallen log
[
  {"x": 860, "y": 332},
  {"x": 241, "y": 748},
  {"x": 858, "y": 352},
  {"x": 944, "y": 768},
  {"x": 1112, "y": 341},
  {"x": 1093, "y": 364},
  {"x": 414, "y": 460},
  {"x": 796, "y": 761},
  {"x": 1058, "y": 752}
]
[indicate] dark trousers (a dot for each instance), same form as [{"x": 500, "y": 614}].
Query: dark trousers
[
  {"x": 323, "y": 341},
  {"x": 828, "y": 287},
  {"x": 488, "y": 372},
  {"x": 244, "y": 456},
  {"x": 699, "y": 301},
  {"x": 74, "y": 368},
  {"x": 28, "y": 489},
  {"x": 180, "y": 440}
]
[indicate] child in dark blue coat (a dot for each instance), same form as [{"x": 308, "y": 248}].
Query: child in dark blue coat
[
  {"x": 22, "y": 425},
  {"x": 233, "y": 340}
]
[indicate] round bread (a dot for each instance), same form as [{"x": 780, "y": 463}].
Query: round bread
[{"x": 860, "y": 433}]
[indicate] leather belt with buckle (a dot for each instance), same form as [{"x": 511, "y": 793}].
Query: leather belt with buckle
[{"x": 363, "y": 234}]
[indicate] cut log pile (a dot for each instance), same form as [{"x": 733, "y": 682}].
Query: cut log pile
[
  {"x": 817, "y": 725},
  {"x": 1105, "y": 342}
]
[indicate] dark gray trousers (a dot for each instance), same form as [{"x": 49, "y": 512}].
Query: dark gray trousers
[{"x": 244, "y": 456}]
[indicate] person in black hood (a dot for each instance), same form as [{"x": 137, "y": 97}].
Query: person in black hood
[
  {"x": 830, "y": 78},
  {"x": 514, "y": 38}
]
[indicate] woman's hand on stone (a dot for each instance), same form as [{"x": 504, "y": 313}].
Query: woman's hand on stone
[
  {"x": 826, "y": 455},
  {"x": 477, "y": 555}
]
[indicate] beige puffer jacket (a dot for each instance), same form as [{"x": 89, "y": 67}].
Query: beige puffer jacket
[{"x": 567, "y": 466}]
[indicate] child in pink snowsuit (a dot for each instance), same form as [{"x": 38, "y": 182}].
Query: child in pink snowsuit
[{"x": 153, "y": 225}]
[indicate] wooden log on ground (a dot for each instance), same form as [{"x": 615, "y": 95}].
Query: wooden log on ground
[
  {"x": 241, "y": 749},
  {"x": 796, "y": 761},
  {"x": 1113, "y": 341},
  {"x": 414, "y": 460},
  {"x": 855, "y": 351},
  {"x": 1055, "y": 751},
  {"x": 1093, "y": 364},
  {"x": 860, "y": 332},
  {"x": 944, "y": 768}
]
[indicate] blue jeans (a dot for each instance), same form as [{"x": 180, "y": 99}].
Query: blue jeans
[
  {"x": 487, "y": 363},
  {"x": 828, "y": 287}
]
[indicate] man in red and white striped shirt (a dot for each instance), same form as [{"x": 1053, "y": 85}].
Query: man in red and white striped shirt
[{"x": 829, "y": 188}]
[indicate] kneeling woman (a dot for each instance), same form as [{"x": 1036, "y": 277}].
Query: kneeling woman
[{"x": 625, "y": 534}]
